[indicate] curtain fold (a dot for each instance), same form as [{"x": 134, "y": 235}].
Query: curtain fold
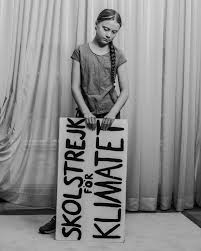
[
  {"x": 162, "y": 43},
  {"x": 28, "y": 154},
  {"x": 179, "y": 102}
]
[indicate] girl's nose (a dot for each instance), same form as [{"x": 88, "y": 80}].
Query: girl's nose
[{"x": 108, "y": 35}]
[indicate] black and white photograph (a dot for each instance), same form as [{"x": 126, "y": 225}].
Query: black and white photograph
[{"x": 100, "y": 125}]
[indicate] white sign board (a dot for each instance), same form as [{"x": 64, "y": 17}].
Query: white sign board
[{"x": 91, "y": 186}]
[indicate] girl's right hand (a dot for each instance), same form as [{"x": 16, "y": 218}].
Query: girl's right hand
[{"x": 90, "y": 120}]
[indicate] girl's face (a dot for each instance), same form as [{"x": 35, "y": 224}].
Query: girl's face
[{"x": 106, "y": 31}]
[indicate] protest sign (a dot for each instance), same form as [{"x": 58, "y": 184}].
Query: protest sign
[{"x": 91, "y": 185}]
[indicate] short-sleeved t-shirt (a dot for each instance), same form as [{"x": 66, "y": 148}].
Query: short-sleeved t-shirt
[{"x": 96, "y": 84}]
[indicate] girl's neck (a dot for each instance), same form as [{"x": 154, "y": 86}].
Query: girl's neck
[
  {"x": 99, "y": 48},
  {"x": 98, "y": 44}
]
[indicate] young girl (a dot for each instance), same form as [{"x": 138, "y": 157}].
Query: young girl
[{"x": 95, "y": 66}]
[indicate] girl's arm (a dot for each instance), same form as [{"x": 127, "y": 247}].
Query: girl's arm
[
  {"x": 124, "y": 93},
  {"x": 76, "y": 92}
]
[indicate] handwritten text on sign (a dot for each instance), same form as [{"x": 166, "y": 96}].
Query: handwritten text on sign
[{"x": 91, "y": 181}]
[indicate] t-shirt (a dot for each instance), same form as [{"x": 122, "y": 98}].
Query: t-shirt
[{"x": 96, "y": 84}]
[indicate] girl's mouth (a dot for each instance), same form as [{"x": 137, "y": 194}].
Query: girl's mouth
[{"x": 106, "y": 40}]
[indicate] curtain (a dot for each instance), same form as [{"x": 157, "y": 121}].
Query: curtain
[{"x": 162, "y": 43}]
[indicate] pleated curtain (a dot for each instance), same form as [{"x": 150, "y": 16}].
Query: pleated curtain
[{"x": 162, "y": 42}]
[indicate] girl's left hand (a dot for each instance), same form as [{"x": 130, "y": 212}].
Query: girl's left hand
[{"x": 107, "y": 121}]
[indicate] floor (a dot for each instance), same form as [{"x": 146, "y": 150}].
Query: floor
[
  {"x": 144, "y": 232},
  {"x": 194, "y": 215},
  {"x": 167, "y": 231}
]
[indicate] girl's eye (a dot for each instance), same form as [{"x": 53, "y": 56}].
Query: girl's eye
[
  {"x": 114, "y": 32},
  {"x": 106, "y": 29}
]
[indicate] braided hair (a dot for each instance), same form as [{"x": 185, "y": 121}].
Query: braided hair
[
  {"x": 113, "y": 61},
  {"x": 110, "y": 14}
]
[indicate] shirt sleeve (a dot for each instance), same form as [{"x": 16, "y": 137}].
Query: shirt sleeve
[
  {"x": 121, "y": 58},
  {"x": 76, "y": 54}
]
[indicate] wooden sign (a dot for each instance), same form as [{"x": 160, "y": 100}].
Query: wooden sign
[{"x": 91, "y": 188}]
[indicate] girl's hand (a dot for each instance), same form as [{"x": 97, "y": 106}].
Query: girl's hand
[
  {"x": 90, "y": 120},
  {"x": 107, "y": 121}
]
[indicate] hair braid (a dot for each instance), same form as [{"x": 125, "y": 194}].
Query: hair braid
[{"x": 113, "y": 61}]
